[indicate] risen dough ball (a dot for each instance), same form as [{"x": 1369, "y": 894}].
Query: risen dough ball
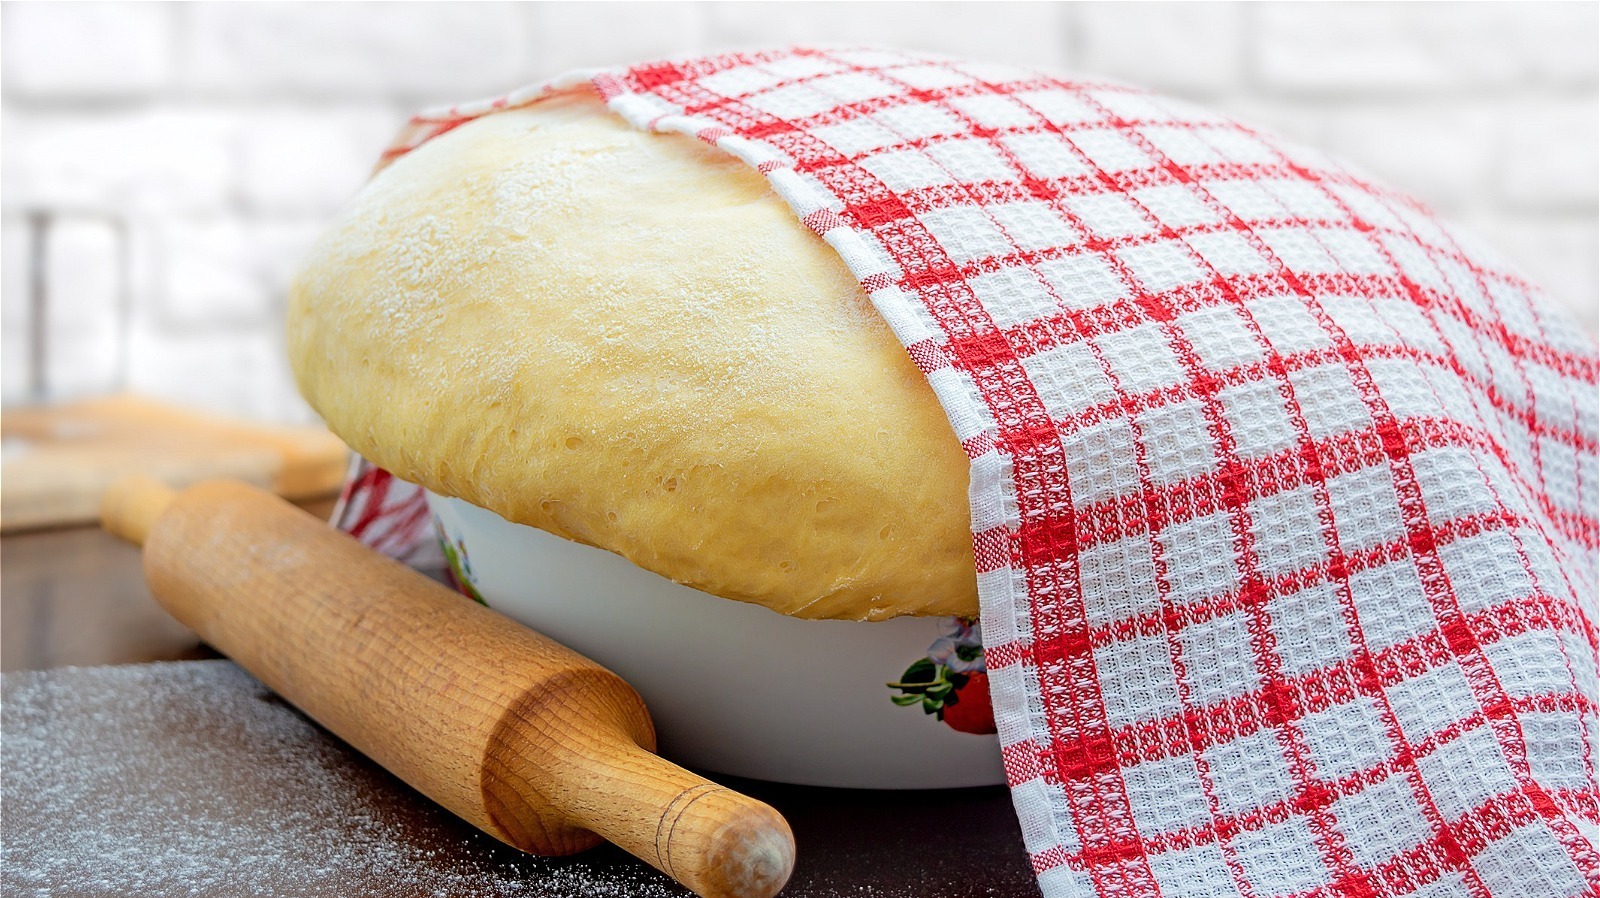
[{"x": 628, "y": 340}]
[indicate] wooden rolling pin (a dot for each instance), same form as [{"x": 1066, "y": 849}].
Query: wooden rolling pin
[{"x": 524, "y": 738}]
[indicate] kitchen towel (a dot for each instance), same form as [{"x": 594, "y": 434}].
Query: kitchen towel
[{"x": 1284, "y": 492}]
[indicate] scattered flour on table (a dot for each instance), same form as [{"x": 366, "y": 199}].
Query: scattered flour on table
[{"x": 83, "y": 747}]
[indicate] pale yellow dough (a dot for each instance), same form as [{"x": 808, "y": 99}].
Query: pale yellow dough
[{"x": 628, "y": 340}]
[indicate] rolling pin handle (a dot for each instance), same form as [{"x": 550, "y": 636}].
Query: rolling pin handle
[
  {"x": 131, "y": 505},
  {"x": 715, "y": 841}
]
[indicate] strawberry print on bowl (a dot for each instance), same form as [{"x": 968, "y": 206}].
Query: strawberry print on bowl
[
  {"x": 951, "y": 683},
  {"x": 458, "y": 568}
]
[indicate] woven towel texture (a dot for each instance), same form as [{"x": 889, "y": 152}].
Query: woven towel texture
[{"x": 1284, "y": 493}]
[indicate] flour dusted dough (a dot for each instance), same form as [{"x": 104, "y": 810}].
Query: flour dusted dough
[{"x": 628, "y": 340}]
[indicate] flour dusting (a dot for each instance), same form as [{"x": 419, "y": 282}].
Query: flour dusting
[{"x": 194, "y": 779}]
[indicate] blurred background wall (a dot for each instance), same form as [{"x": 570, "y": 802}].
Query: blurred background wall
[{"x": 165, "y": 166}]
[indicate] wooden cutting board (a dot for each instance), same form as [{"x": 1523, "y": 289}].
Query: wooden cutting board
[{"x": 59, "y": 459}]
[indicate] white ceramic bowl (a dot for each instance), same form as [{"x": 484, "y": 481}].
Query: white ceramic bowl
[{"x": 734, "y": 688}]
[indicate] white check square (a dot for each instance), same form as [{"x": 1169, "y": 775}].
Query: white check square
[
  {"x": 972, "y": 160},
  {"x": 1238, "y": 147},
  {"x": 1529, "y": 862},
  {"x": 1074, "y": 379},
  {"x": 1163, "y": 265},
  {"x": 1365, "y": 206},
  {"x": 1479, "y": 583},
  {"x": 1176, "y": 206},
  {"x": 1288, "y": 324},
  {"x": 1309, "y": 629},
  {"x": 856, "y": 136},
  {"x": 855, "y": 87},
  {"x": 1430, "y": 702},
  {"x": 1392, "y": 604},
  {"x": 1221, "y": 338},
  {"x": 1198, "y": 872},
  {"x": 1557, "y": 747},
  {"x": 1298, "y": 250},
  {"x": 1366, "y": 510},
  {"x": 1302, "y": 199},
  {"x": 1229, "y": 254},
  {"x": 1288, "y": 532},
  {"x": 1414, "y": 262},
  {"x": 1452, "y": 481},
  {"x": 1141, "y": 668},
  {"x": 1141, "y": 358},
  {"x": 1165, "y": 795},
  {"x": 1122, "y": 575},
  {"x": 1129, "y": 105},
  {"x": 1060, "y": 107},
  {"x": 930, "y": 77},
  {"x": 793, "y": 68},
  {"x": 1410, "y": 325},
  {"x": 1196, "y": 571},
  {"x": 739, "y": 81},
  {"x": 995, "y": 73},
  {"x": 1465, "y": 772},
  {"x": 1181, "y": 146},
  {"x": 1385, "y": 814},
  {"x": 1353, "y": 315},
  {"x": 1034, "y": 226},
  {"x": 1217, "y": 658},
  {"x": 1281, "y": 858},
  {"x": 1102, "y": 461},
  {"x": 1328, "y": 400},
  {"x": 1346, "y": 739},
  {"x": 1108, "y": 215},
  {"x": 919, "y": 121},
  {"x": 1014, "y": 295},
  {"x": 1354, "y": 252},
  {"x": 1247, "y": 200},
  {"x": 994, "y": 111},
  {"x": 902, "y": 170},
  {"x": 1046, "y": 156},
  {"x": 793, "y": 101},
  {"x": 1530, "y": 665},
  {"x": 966, "y": 233},
  {"x": 1172, "y": 454},
  {"x": 1258, "y": 418},
  {"x": 1110, "y": 150},
  {"x": 1249, "y": 772},
  {"x": 1083, "y": 280}
]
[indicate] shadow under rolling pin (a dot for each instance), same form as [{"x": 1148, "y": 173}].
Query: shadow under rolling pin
[{"x": 524, "y": 738}]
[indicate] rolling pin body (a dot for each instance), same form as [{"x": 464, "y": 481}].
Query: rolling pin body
[{"x": 520, "y": 736}]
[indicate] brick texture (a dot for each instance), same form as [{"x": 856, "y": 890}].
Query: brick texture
[
  {"x": 85, "y": 320},
  {"x": 86, "y": 51},
  {"x": 1409, "y": 47},
  {"x": 1025, "y": 33},
  {"x": 308, "y": 162},
  {"x": 208, "y": 143},
  {"x": 1187, "y": 48},
  {"x": 16, "y": 350},
  {"x": 434, "y": 52}
]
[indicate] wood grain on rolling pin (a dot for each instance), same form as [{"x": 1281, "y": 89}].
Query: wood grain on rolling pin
[{"x": 520, "y": 736}]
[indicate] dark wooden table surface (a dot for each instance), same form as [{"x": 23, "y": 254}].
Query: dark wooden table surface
[{"x": 191, "y": 778}]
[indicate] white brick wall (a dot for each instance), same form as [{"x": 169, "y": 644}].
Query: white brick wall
[
  {"x": 87, "y": 50},
  {"x": 183, "y": 156},
  {"x": 428, "y": 51}
]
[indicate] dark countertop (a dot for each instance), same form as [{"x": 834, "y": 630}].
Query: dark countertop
[{"x": 191, "y": 778}]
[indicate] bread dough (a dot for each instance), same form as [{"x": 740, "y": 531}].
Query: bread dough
[{"x": 627, "y": 339}]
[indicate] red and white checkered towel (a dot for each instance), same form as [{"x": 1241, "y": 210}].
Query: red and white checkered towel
[{"x": 1284, "y": 493}]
